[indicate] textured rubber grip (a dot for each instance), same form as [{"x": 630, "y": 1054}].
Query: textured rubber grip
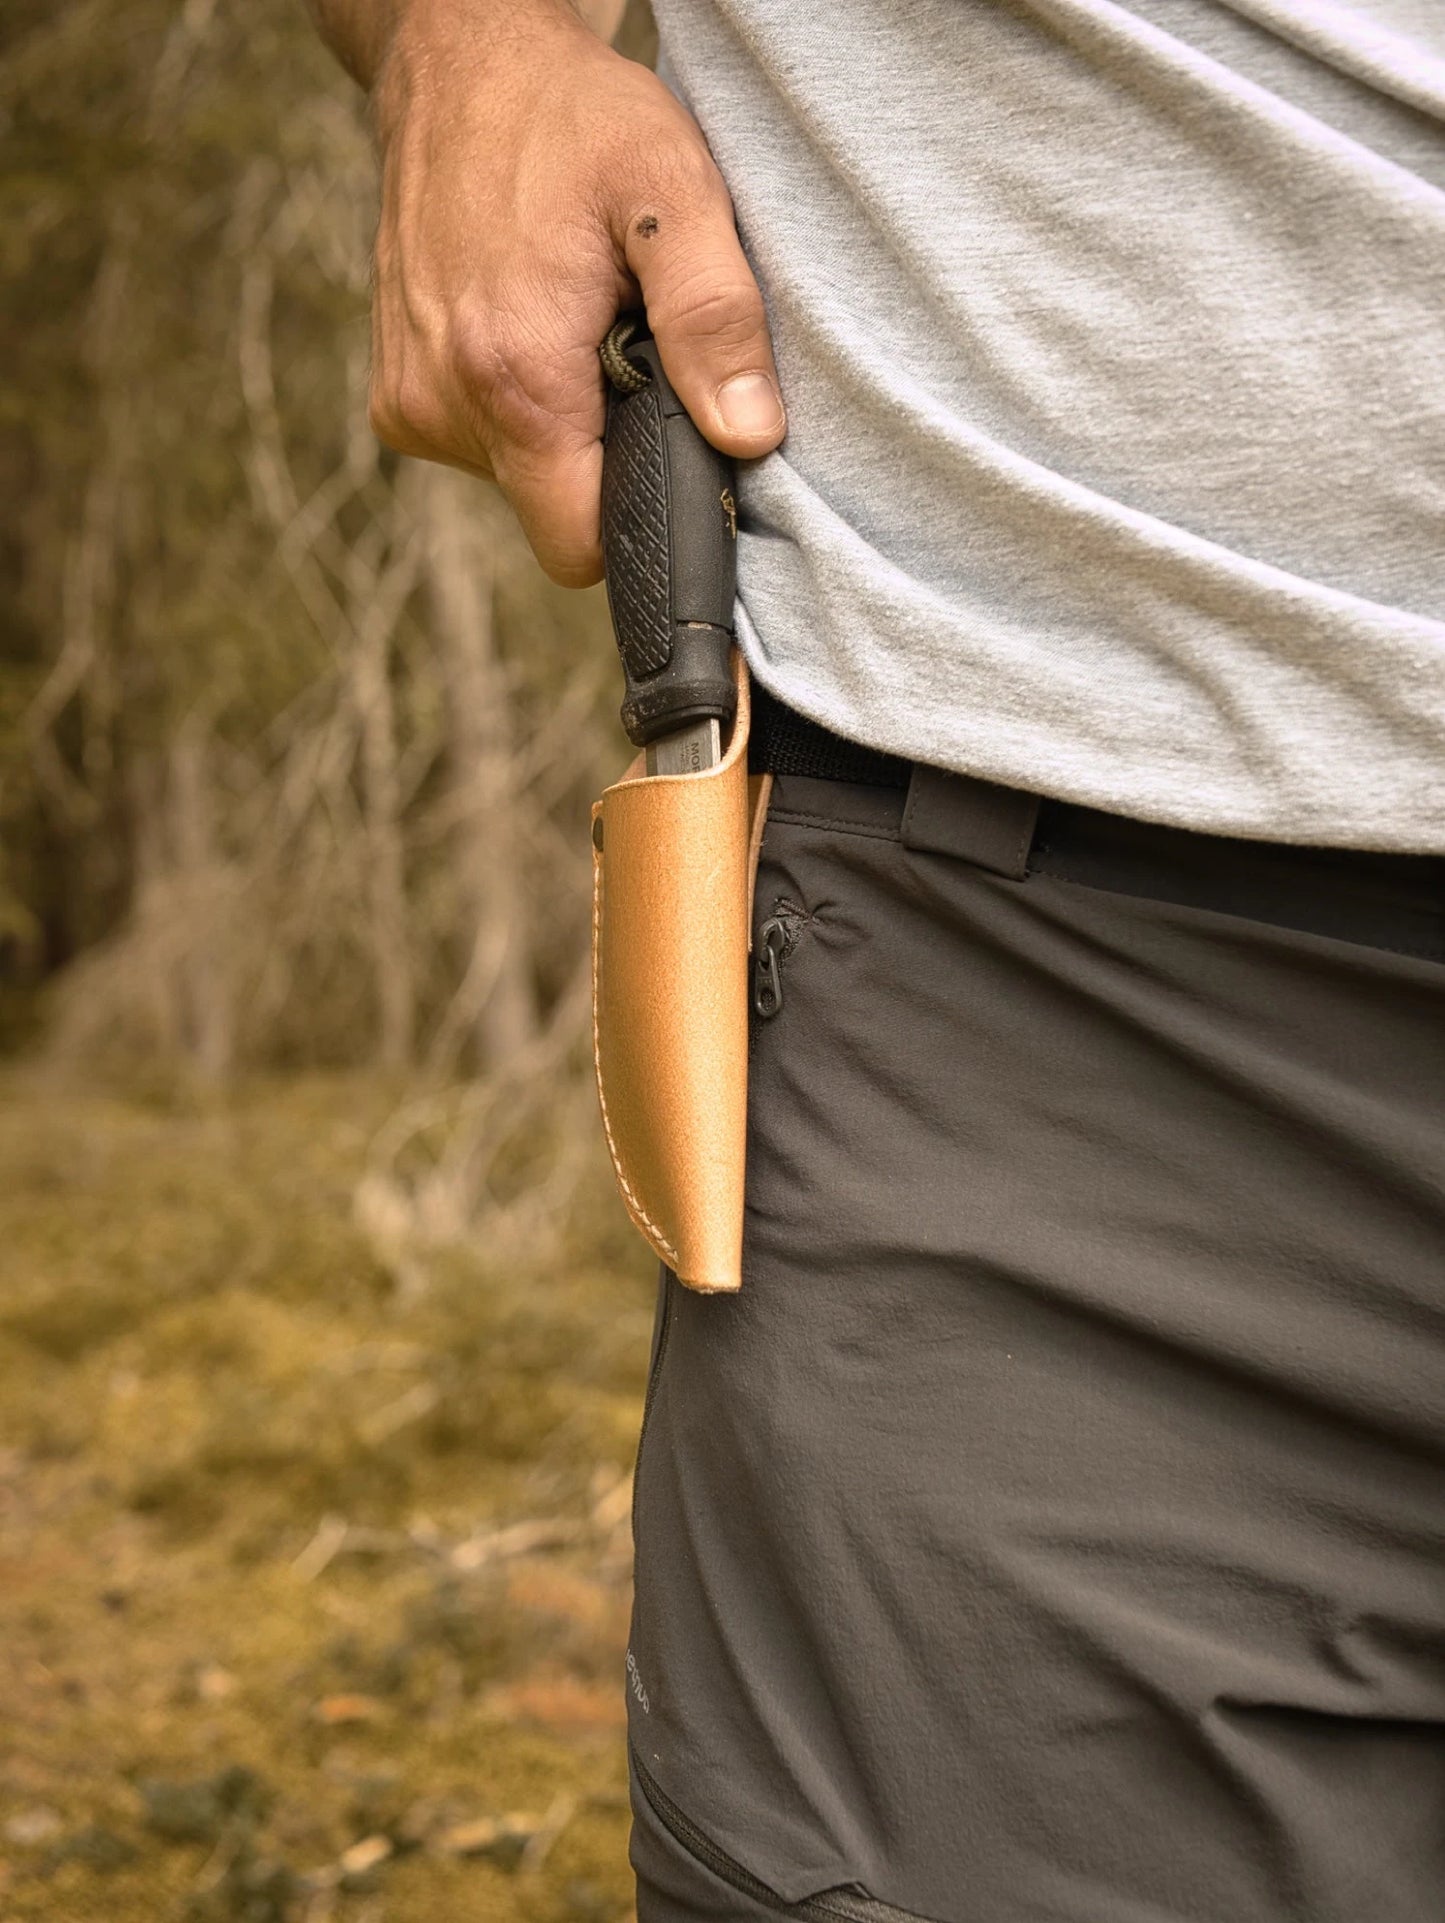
[{"x": 669, "y": 547}]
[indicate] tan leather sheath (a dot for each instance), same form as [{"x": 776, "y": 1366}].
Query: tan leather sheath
[{"x": 673, "y": 859}]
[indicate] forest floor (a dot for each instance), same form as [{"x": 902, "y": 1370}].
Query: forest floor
[{"x": 313, "y": 1588}]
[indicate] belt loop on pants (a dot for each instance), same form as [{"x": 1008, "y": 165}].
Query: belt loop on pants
[{"x": 948, "y": 814}]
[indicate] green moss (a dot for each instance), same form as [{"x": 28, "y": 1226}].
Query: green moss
[{"x": 203, "y": 1369}]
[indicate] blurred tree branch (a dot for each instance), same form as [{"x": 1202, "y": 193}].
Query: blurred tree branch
[{"x": 295, "y": 741}]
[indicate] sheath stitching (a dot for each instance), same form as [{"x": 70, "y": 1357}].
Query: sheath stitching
[{"x": 638, "y": 1213}]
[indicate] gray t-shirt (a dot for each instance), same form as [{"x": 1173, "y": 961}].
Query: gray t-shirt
[{"x": 1113, "y": 341}]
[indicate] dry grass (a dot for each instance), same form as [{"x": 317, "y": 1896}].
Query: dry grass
[{"x": 312, "y": 1598}]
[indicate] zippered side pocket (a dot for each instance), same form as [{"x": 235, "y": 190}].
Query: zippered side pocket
[
  {"x": 777, "y": 938},
  {"x": 842, "y": 1905}
]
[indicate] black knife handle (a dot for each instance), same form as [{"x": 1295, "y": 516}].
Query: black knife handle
[{"x": 669, "y": 529}]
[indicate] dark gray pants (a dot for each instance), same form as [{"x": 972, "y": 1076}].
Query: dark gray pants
[{"x": 1053, "y": 1530}]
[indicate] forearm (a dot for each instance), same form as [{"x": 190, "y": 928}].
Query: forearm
[{"x": 360, "y": 32}]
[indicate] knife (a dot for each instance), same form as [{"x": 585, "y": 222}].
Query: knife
[{"x": 669, "y": 548}]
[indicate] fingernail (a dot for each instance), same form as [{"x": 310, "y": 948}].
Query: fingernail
[{"x": 749, "y": 404}]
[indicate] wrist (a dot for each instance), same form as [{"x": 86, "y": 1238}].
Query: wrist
[
  {"x": 419, "y": 38},
  {"x": 473, "y": 29}
]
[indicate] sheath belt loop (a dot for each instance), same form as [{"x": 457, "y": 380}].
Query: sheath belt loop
[{"x": 948, "y": 814}]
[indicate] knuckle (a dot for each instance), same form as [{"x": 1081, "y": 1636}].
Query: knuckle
[
  {"x": 476, "y": 354},
  {"x": 384, "y": 415},
  {"x": 483, "y": 362},
  {"x": 502, "y": 375},
  {"x": 421, "y": 410},
  {"x": 679, "y": 172},
  {"x": 406, "y": 414},
  {"x": 671, "y": 183},
  {"x": 727, "y": 313}
]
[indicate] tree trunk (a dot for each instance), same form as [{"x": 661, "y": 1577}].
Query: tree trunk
[
  {"x": 391, "y": 957},
  {"x": 494, "y": 1013},
  {"x": 201, "y": 935}
]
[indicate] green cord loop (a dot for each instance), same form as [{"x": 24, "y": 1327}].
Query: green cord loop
[{"x": 625, "y": 375}]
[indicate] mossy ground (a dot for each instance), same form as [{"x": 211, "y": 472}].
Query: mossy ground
[{"x": 313, "y": 1591}]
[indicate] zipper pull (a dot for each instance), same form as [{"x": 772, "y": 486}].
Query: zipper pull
[{"x": 767, "y": 976}]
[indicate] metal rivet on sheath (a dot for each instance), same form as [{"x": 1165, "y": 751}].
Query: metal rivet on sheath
[{"x": 597, "y": 834}]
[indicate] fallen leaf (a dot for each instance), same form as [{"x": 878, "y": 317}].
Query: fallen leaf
[
  {"x": 334, "y": 1710},
  {"x": 29, "y": 1826},
  {"x": 469, "y": 1839},
  {"x": 505, "y": 1840},
  {"x": 323, "y": 1546},
  {"x": 366, "y": 1855},
  {"x": 214, "y": 1684},
  {"x": 517, "y": 1539},
  {"x": 559, "y": 1702},
  {"x": 554, "y": 1591}
]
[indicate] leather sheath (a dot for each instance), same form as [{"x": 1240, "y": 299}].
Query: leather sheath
[{"x": 673, "y": 859}]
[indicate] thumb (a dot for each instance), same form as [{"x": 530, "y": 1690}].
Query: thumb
[{"x": 707, "y": 318}]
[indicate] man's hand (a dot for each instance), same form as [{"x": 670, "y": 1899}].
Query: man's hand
[{"x": 534, "y": 184}]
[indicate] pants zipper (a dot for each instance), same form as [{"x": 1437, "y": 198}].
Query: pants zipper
[
  {"x": 767, "y": 976},
  {"x": 829, "y": 1906},
  {"x": 777, "y": 938}
]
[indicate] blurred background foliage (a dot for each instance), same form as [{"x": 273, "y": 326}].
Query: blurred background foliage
[{"x": 320, "y": 1339}]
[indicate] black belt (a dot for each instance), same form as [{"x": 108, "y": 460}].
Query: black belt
[{"x": 1381, "y": 900}]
